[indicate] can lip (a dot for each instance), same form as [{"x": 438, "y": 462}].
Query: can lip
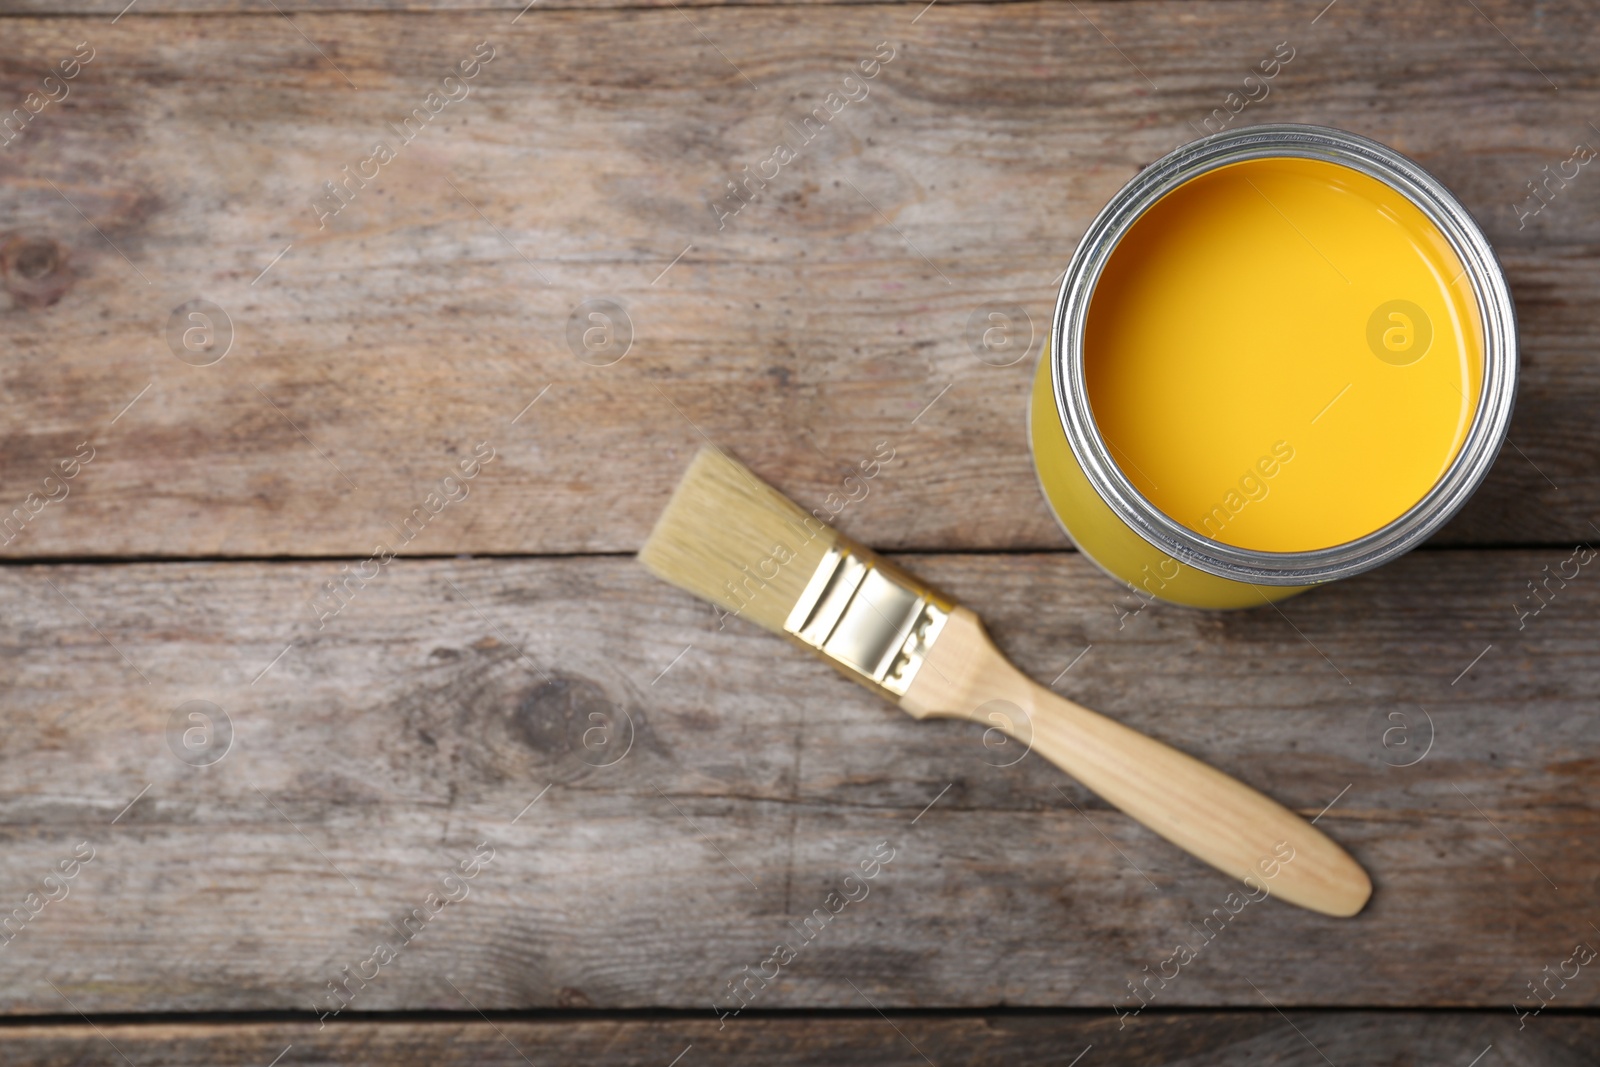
[{"x": 1496, "y": 313}]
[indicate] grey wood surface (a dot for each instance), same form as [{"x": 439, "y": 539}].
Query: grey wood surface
[
  {"x": 822, "y": 319},
  {"x": 1207, "y": 1039},
  {"x": 375, "y": 754}
]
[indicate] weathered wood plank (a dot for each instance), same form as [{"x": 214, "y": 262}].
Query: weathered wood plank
[
  {"x": 145, "y": 8},
  {"x": 1373, "y": 1039},
  {"x": 142, "y": 8},
  {"x": 426, "y": 317},
  {"x": 370, "y": 757}
]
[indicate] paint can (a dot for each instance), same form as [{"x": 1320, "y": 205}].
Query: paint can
[{"x": 1355, "y": 462}]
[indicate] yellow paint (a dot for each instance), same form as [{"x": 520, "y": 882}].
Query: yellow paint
[
  {"x": 1248, "y": 365},
  {"x": 1147, "y": 572}
]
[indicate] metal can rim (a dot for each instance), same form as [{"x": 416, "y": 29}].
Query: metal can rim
[{"x": 1497, "y": 314}]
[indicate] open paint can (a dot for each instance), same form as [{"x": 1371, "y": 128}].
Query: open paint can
[{"x": 1281, "y": 356}]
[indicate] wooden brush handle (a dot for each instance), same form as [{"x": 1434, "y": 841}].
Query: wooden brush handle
[{"x": 1198, "y": 808}]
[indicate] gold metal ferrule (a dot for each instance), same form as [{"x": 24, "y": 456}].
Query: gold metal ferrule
[{"x": 870, "y": 618}]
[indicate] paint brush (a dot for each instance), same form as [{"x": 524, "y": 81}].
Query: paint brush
[{"x": 730, "y": 538}]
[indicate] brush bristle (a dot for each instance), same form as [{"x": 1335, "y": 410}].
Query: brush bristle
[{"x": 729, "y": 537}]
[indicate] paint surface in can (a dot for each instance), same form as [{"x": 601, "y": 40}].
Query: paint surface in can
[{"x": 1283, "y": 354}]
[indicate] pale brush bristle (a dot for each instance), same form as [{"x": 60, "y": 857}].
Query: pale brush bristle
[{"x": 729, "y": 537}]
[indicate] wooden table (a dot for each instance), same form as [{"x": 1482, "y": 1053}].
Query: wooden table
[{"x": 648, "y": 801}]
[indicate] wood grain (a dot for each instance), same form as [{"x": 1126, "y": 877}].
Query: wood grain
[
  {"x": 295, "y": 8},
  {"x": 373, "y": 756},
  {"x": 824, "y": 318},
  {"x": 1374, "y": 1039}
]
